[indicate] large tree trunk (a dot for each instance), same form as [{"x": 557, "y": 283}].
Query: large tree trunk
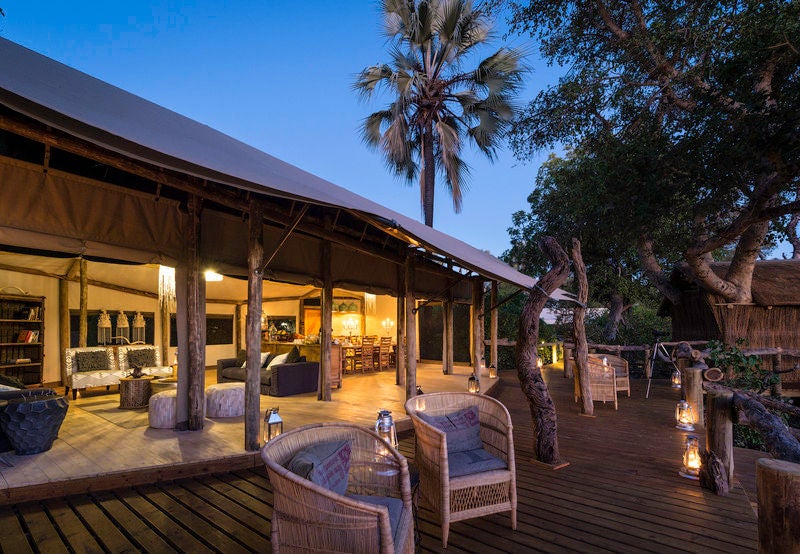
[
  {"x": 652, "y": 270},
  {"x": 581, "y": 352},
  {"x": 615, "y": 310},
  {"x": 543, "y": 410}
]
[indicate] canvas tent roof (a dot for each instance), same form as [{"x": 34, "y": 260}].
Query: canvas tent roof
[{"x": 109, "y": 117}]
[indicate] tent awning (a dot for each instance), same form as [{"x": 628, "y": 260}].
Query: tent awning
[{"x": 109, "y": 117}]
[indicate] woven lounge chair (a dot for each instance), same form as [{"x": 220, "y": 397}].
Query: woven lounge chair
[
  {"x": 308, "y": 517},
  {"x": 602, "y": 381},
  {"x": 457, "y": 498}
]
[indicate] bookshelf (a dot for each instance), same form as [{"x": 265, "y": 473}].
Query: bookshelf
[{"x": 22, "y": 337}]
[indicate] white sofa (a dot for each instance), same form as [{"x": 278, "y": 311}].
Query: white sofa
[{"x": 116, "y": 358}]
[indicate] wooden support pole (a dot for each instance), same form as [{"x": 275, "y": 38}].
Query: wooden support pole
[
  {"x": 569, "y": 364},
  {"x": 648, "y": 366},
  {"x": 237, "y": 327},
  {"x": 778, "y": 483},
  {"x": 165, "y": 333},
  {"x": 692, "y": 386},
  {"x": 411, "y": 331},
  {"x": 63, "y": 324},
  {"x": 182, "y": 324},
  {"x": 477, "y": 338},
  {"x": 326, "y": 325},
  {"x": 400, "y": 361},
  {"x": 196, "y": 315},
  {"x": 494, "y": 360},
  {"x": 447, "y": 333},
  {"x": 255, "y": 284},
  {"x": 83, "y": 325},
  {"x": 719, "y": 432}
]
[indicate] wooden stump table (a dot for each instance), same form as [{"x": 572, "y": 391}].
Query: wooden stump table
[{"x": 134, "y": 392}]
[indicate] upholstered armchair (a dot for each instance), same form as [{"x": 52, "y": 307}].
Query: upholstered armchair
[
  {"x": 465, "y": 455},
  {"x": 338, "y": 488}
]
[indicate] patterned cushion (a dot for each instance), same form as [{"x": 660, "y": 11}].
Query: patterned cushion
[
  {"x": 473, "y": 461},
  {"x": 95, "y": 360},
  {"x": 326, "y": 464},
  {"x": 141, "y": 357},
  {"x": 463, "y": 428},
  {"x": 294, "y": 356}
]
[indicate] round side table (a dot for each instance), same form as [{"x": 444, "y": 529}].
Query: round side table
[{"x": 134, "y": 392}]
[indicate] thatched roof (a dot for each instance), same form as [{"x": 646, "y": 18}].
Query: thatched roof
[{"x": 774, "y": 281}]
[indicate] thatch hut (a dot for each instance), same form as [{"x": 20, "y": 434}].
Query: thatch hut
[{"x": 771, "y": 320}]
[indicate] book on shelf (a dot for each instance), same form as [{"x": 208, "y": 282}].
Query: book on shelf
[
  {"x": 22, "y": 336},
  {"x": 22, "y": 361},
  {"x": 33, "y": 336}
]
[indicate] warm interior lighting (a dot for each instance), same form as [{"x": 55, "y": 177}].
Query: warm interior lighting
[
  {"x": 212, "y": 276},
  {"x": 370, "y": 303},
  {"x": 691, "y": 458},
  {"x": 492, "y": 372},
  {"x": 684, "y": 416},
  {"x": 166, "y": 287},
  {"x": 387, "y": 324}
]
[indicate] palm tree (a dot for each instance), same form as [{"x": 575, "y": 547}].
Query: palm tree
[{"x": 436, "y": 104}]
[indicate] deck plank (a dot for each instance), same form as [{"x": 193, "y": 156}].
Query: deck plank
[
  {"x": 133, "y": 524},
  {"x": 13, "y": 538}
]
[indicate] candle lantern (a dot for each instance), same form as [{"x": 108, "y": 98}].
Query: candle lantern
[
  {"x": 419, "y": 390},
  {"x": 138, "y": 328},
  {"x": 123, "y": 329},
  {"x": 104, "y": 328},
  {"x": 492, "y": 372},
  {"x": 691, "y": 458},
  {"x": 473, "y": 384},
  {"x": 385, "y": 427},
  {"x": 684, "y": 416},
  {"x": 273, "y": 425},
  {"x": 676, "y": 379}
]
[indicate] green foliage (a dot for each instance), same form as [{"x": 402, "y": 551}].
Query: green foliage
[{"x": 744, "y": 372}]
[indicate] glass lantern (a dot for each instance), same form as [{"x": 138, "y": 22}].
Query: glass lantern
[
  {"x": 684, "y": 416},
  {"x": 492, "y": 372},
  {"x": 385, "y": 427},
  {"x": 691, "y": 458},
  {"x": 420, "y": 392},
  {"x": 273, "y": 425},
  {"x": 473, "y": 384},
  {"x": 676, "y": 379}
]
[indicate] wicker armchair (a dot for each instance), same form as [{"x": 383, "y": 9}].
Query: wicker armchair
[
  {"x": 602, "y": 381},
  {"x": 310, "y": 518},
  {"x": 467, "y": 496}
]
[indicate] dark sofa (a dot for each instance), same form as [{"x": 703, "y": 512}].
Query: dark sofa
[{"x": 279, "y": 380}]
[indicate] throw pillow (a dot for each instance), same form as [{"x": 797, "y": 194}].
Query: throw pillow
[
  {"x": 279, "y": 359},
  {"x": 326, "y": 464},
  {"x": 241, "y": 358},
  {"x": 265, "y": 363},
  {"x": 264, "y": 356},
  {"x": 95, "y": 360},
  {"x": 294, "y": 356},
  {"x": 463, "y": 428},
  {"x": 141, "y": 357}
]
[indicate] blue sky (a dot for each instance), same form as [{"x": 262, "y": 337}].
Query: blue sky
[{"x": 276, "y": 74}]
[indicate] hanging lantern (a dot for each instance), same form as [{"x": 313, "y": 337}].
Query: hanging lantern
[
  {"x": 691, "y": 458},
  {"x": 103, "y": 328},
  {"x": 138, "y": 328},
  {"x": 676, "y": 379},
  {"x": 492, "y": 372},
  {"x": 385, "y": 427},
  {"x": 352, "y": 307},
  {"x": 684, "y": 416},
  {"x": 273, "y": 425},
  {"x": 123, "y": 335},
  {"x": 473, "y": 384}
]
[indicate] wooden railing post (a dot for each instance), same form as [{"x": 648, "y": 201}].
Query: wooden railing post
[
  {"x": 568, "y": 364},
  {"x": 778, "y": 484},
  {"x": 648, "y": 370},
  {"x": 719, "y": 431},
  {"x": 692, "y": 384}
]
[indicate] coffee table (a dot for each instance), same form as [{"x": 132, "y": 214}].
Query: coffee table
[{"x": 134, "y": 392}]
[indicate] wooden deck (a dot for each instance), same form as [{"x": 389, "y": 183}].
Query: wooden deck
[{"x": 620, "y": 493}]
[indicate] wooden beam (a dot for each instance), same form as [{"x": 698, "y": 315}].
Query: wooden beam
[
  {"x": 493, "y": 327},
  {"x": 326, "y": 325},
  {"x": 255, "y": 281},
  {"x": 411, "y": 330},
  {"x": 284, "y": 237},
  {"x": 196, "y": 320},
  {"x": 400, "y": 356},
  {"x": 83, "y": 325},
  {"x": 63, "y": 325}
]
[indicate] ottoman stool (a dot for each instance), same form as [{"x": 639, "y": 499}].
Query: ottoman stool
[
  {"x": 225, "y": 400},
  {"x": 163, "y": 411}
]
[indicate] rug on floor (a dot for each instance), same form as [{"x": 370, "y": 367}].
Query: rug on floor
[{"x": 111, "y": 412}]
